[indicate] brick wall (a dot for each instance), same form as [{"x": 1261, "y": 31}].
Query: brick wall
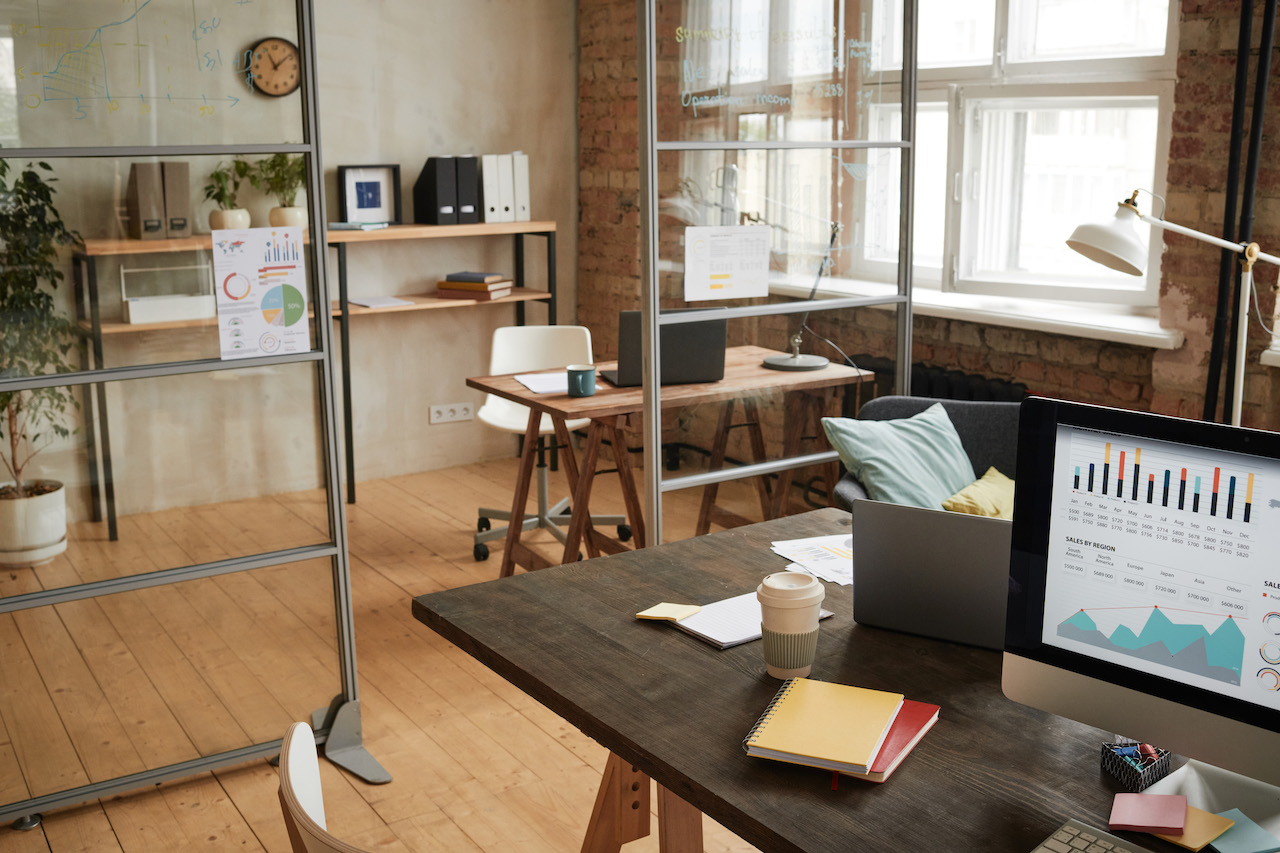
[{"x": 1170, "y": 382}]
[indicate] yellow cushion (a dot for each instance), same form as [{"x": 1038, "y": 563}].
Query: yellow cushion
[{"x": 992, "y": 495}]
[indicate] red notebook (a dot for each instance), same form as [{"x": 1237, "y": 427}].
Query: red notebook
[{"x": 913, "y": 720}]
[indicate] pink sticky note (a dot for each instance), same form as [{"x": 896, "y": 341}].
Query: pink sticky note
[{"x": 1166, "y": 813}]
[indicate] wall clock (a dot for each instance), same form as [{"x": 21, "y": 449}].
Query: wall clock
[{"x": 275, "y": 66}]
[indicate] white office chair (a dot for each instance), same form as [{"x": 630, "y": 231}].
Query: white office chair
[
  {"x": 519, "y": 349},
  {"x": 301, "y": 798}
]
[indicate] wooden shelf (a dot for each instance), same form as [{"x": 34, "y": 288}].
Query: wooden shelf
[
  {"x": 419, "y": 303},
  {"x": 102, "y": 247}
]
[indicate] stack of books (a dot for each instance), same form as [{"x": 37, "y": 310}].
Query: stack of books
[
  {"x": 851, "y": 730},
  {"x": 480, "y": 286}
]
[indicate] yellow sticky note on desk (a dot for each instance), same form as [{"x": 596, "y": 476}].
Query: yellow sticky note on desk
[
  {"x": 1202, "y": 827},
  {"x": 669, "y": 612}
]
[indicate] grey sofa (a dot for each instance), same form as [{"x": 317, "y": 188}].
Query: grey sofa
[{"x": 988, "y": 432}]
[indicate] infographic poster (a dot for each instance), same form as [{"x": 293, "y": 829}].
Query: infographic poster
[{"x": 261, "y": 287}]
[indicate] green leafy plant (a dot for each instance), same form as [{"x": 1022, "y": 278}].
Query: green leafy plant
[
  {"x": 224, "y": 183},
  {"x": 35, "y": 337},
  {"x": 280, "y": 175}
]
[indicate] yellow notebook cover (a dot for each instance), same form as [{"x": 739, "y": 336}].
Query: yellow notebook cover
[{"x": 819, "y": 724}]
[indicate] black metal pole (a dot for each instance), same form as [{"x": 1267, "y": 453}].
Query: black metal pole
[
  {"x": 1260, "y": 85},
  {"x": 1226, "y": 265}
]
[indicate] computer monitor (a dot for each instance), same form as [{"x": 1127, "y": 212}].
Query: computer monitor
[{"x": 1144, "y": 588}]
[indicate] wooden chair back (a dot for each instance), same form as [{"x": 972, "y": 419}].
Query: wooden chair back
[{"x": 301, "y": 798}]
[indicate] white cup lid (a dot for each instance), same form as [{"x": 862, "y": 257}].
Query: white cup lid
[{"x": 789, "y": 585}]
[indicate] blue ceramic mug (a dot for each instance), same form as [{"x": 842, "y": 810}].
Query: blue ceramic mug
[{"x": 582, "y": 380}]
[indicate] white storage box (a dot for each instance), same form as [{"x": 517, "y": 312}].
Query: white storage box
[
  {"x": 161, "y": 309},
  {"x": 168, "y": 294}
]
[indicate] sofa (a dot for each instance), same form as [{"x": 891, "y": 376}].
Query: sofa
[{"x": 988, "y": 433}]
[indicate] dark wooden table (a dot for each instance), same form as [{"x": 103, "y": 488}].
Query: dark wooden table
[
  {"x": 609, "y": 410},
  {"x": 991, "y": 775}
]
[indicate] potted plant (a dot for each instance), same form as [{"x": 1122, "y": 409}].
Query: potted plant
[
  {"x": 37, "y": 340},
  {"x": 222, "y": 189},
  {"x": 281, "y": 176}
]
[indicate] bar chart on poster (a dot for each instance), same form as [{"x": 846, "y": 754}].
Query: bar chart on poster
[{"x": 1160, "y": 559}]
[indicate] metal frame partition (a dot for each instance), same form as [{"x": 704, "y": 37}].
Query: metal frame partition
[
  {"x": 652, "y": 319},
  {"x": 337, "y": 726}
]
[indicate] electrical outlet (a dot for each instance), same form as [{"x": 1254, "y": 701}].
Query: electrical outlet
[{"x": 444, "y": 413}]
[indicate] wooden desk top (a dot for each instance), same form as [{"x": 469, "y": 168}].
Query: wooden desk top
[
  {"x": 991, "y": 772},
  {"x": 743, "y": 375}
]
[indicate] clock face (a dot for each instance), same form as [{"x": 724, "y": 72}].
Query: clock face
[{"x": 275, "y": 67}]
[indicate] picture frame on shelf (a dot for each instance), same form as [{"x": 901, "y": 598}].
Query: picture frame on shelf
[{"x": 369, "y": 193}]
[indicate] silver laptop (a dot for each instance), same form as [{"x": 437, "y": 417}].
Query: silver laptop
[{"x": 931, "y": 572}]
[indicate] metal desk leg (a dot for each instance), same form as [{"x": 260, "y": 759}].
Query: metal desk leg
[
  {"x": 83, "y": 269},
  {"x": 104, "y": 427},
  {"x": 344, "y": 333}
]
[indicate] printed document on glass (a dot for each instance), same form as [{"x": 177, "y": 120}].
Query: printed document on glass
[{"x": 726, "y": 262}]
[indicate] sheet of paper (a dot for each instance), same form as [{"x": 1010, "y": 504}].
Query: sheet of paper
[
  {"x": 726, "y": 262},
  {"x": 545, "y": 383},
  {"x": 826, "y": 557},
  {"x": 378, "y": 301}
]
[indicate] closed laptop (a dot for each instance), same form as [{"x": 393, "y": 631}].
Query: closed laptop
[
  {"x": 931, "y": 572},
  {"x": 691, "y": 352}
]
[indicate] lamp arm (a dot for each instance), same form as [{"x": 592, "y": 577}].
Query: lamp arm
[{"x": 1241, "y": 248}]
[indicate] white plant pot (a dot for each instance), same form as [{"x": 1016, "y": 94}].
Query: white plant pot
[
  {"x": 288, "y": 216},
  {"x": 33, "y": 530},
  {"x": 227, "y": 220}
]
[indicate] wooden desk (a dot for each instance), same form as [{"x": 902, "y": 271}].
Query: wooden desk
[
  {"x": 991, "y": 775},
  {"x": 608, "y": 410}
]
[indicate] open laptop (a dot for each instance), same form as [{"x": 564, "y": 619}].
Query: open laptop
[
  {"x": 691, "y": 352},
  {"x": 931, "y": 572}
]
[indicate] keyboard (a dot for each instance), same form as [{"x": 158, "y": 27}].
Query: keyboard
[{"x": 1076, "y": 837}]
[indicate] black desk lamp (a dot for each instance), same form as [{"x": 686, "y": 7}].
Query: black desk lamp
[{"x": 796, "y": 361}]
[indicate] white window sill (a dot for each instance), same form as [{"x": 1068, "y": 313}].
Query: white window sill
[
  {"x": 1082, "y": 320},
  {"x": 1271, "y": 355}
]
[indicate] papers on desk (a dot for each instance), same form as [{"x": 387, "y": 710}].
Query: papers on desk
[
  {"x": 378, "y": 301},
  {"x": 827, "y": 557},
  {"x": 545, "y": 383}
]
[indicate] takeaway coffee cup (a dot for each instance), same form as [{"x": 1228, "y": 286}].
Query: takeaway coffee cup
[
  {"x": 790, "y": 603},
  {"x": 582, "y": 380}
]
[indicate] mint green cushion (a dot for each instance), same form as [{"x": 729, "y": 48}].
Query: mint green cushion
[{"x": 917, "y": 461}]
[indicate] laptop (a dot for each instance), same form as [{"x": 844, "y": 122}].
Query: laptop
[
  {"x": 691, "y": 352},
  {"x": 931, "y": 572}
]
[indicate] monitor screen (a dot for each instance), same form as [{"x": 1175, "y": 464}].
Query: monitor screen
[{"x": 1145, "y": 580}]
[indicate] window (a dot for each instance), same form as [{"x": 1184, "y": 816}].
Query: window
[{"x": 1033, "y": 116}]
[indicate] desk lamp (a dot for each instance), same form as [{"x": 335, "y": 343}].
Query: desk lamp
[
  {"x": 1115, "y": 244},
  {"x": 796, "y": 361}
]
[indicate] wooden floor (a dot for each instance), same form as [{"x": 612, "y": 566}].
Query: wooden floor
[{"x": 476, "y": 764}]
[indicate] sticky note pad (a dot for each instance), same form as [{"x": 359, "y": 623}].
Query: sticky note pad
[
  {"x": 1149, "y": 813},
  {"x": 1201, "y": 828},
  {"x": 669, "y": 612},
  {"x": 1245, "y": 836}
]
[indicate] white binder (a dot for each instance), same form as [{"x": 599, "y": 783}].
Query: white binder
[
  {"x": 506, "y": 189},
  {"x": 490, "y": 191},
  {"x": 520, "y": 177}
]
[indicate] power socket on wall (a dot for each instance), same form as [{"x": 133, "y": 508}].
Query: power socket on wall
[{"x": 444, "y": 413}]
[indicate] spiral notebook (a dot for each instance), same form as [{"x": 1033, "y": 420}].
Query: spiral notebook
[{"x": 820, "y": 724}]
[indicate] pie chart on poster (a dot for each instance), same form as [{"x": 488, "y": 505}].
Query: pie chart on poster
[{"x": 283, "y": 305}]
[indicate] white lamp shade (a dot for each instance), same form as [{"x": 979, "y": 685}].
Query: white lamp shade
[{"x": 1114, "y": 244}]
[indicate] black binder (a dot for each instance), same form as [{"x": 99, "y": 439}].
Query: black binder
[
  {"x": 467, "y": 172},
  {"x": 435, "y": 195}
]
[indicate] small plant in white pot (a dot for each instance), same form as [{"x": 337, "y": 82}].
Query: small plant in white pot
[
  {"x": 281, "y": 176},
  {"x": 37, "y": 340},
  {"x": 223, "y": 189}
]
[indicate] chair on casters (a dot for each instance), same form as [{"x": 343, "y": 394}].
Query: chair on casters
[
  {"x": 520, "y": 349},
  {"x": 301, "y": 799}
]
